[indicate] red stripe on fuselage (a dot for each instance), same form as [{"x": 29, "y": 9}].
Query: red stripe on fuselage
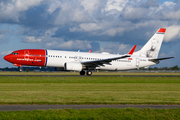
[{"x": 29, "y": 57}]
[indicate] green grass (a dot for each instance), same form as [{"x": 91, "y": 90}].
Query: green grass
[
  {"x": 94, "y": 114},
  {"x": 108, "y": 79},
  {"x": 89, "y": 90}
]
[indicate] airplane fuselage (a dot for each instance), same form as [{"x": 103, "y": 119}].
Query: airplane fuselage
[{"x": 55, "y": 58}]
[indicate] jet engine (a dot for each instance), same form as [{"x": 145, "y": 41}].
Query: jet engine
[{"x": 73, "y": 66}]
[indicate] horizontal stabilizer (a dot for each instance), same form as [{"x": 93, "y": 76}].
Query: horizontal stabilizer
[{"x": 158, "y": 59}]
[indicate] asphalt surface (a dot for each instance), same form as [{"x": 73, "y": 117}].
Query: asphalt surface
[
  {"x": 91, "y": 76},
  {"x": 46, "y": 107}
]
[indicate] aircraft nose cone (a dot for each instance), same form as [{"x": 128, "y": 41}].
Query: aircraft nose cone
[{"x": 7, "y": 57}]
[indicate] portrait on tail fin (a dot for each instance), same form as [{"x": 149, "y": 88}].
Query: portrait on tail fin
[
  {"x": 153, "y": 50},
  {"x": 152, "y": 47}
]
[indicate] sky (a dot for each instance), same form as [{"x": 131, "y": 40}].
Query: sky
[{"x": 113, "y": 26}]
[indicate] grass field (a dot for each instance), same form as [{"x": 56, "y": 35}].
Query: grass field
[
  {"x": 89, "y": 90},
  {"x": 93, "y": 114}
]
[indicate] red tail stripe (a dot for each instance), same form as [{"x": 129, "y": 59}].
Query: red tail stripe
[{"x": 162, "y": 30}]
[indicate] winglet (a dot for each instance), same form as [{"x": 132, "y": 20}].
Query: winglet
[
  {"x": 132, "y": 50},
  {"x": 90, "y": 51}
]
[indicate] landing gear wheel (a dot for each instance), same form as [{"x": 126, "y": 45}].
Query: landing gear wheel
[
  {"x": 82, "y": 72},
  {"x": 89, "y": 73}
]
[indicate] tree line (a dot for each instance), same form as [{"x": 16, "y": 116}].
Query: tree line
[
  {"x": 48, "y": 69},
  {"x": 162, "y": 68}
]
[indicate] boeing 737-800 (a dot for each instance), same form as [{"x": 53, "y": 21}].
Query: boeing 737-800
[{"x": 85, "y": 62}]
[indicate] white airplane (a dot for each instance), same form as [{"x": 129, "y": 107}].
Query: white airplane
[{"x": 85, "y": 62}]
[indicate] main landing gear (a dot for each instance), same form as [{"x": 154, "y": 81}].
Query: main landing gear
[
  {"x": 82, "y": 72},
  {"x": 88, "y": 72}
]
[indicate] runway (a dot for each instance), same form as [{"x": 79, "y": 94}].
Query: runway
[
  {"x": 46, "y": 107},
  {"x": 91, "y": 76}
]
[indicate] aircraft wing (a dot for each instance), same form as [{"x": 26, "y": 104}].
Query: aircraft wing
[
  {"x": 96, "y": 63},
  {"x": 158, "y": 59}
]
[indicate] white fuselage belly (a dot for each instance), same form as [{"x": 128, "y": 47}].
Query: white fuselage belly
[{"x": 59, "y": 58}]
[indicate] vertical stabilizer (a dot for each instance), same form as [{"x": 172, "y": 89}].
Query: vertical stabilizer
[{"x": 152, "y": 47}]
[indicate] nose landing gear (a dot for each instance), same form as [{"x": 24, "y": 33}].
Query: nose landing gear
[{"x": 20, "y": 69}]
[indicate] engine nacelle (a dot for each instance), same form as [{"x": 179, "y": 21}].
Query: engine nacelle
[{"x": 73, "y": 66}]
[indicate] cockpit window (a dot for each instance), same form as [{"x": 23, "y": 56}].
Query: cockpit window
[{"x": 14, "y": 53}]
